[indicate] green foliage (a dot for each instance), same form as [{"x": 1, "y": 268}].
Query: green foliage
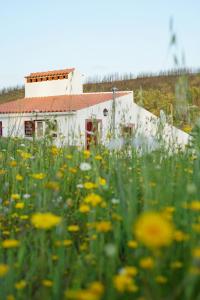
[{"x": 37, "y": 178}]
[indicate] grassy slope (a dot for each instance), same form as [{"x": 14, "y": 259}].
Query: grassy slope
[{"x": 154, "y": 93}]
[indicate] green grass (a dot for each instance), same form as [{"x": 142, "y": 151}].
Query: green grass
[{"x": 153, "y": 182}]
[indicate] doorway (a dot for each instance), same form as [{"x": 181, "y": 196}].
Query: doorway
[{"x": 93, "y": 132}]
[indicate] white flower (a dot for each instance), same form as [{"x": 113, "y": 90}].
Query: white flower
[
  {"x": 110, "y": 249},
  {"x": 26, "y": 196},
  {"x": 115, "y": 201},
  {"x": 85, "y": 166},
  {"x": 79, "y": 186}
]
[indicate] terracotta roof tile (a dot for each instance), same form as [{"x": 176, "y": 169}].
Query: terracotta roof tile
[
  {"x": 48, "y": 73},
  {"x": 64, "y": 103}
]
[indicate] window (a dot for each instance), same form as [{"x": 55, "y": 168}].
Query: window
[
  {"x": 1, "y": 129},
  {"x": 29, "y": 128},
  {"x": 39, "y": 129},
  {"x": 128, "y": 130}
]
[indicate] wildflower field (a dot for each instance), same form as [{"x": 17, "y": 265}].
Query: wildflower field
[{"x": 98, "y": 224}]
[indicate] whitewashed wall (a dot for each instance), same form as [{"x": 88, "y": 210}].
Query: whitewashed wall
[
  {"x": 72, "y": 85},
  {"x": 150, "y": 125},
  {"x": 71, "y": 126}
]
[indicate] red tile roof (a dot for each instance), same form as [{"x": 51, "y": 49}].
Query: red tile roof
[
  {"x": 51, "y": 73},
  {"x": 64, "y": 103}
]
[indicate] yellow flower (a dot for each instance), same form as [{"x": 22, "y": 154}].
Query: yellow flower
[
  {"x": 102, "y": 181},
  {"x": 93, "y": 199},
  {"x": 2, "y": 172},
  {"x": 52, "y": 185},
  {"x": 73, "y": 228},
  {"x": 39, "y": 176},
  {"x": 12, "y": 163},
  {"x": 153, "y": 230},
  {"x": 103, "y": 226},
  {"x": 132, "y": 244},
  {"x": 19, "y": 177},
  {"x": 67, "y": 243},
  {"x": 180, "y": 236},
  {"x": 10, "y": 297},
  {"x": 129, "y": 271},
  {"x": 196, "y": 252},
  {"x": 55, "y": 151},
  {"x": 161, "y": 279},
  {"x": 15, "y": 196},
  {"x": 89, "y": 185},
  {"x": 86, "y": 153},
  {"x": 3, "y": 270},
  {"x": 195, "y": 206},
  {"x": 19, "y": 205},
  {"x": 96, "y": 288},
  {"x": 25, "y": 155},
  {"x": 45, "y": 220},
  {"x": 124, "y": 283},
  {"x": 20, "y": 284},
  {"x": 98, "y": 157},
  {"x": 10, "y": 243},
  {"x": 176, "y": 265},
  {"x": 47, "y": 283},
  {"x": 147, "y": 263},
  {"x": 84, "y": 208}
]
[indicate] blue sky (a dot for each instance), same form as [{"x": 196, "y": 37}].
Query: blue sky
[{"x": 97, "y": 37}]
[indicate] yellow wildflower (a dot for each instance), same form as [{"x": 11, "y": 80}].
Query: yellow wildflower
[
  {"x": 102, "y": 181},
  {"x": 45, "y": 220},
  {"x": 52, "y": 185},
  {"x": 2, "y": 172},
  {"x": 132, "y": 244},
  {"x": 147, "y": 263},
  {"x": 3, "y": 270},
  {"x": 20, "y": 284},
  {"x": 93, "y": 199},
  {"x": 103, "y": 226},
  {"x": 89, "y": 185},
  {"x": 39, "y": 176},
  {"x": 19, "y": 205},
  {"x": 180, "y": 236},
  {"x": 124, "y": 283},
  {"x": 19, "y": 177},
  {"x": 15, "y": 196},
  {"x": 176, "y": 265},
  {"x": 196, "y": 252},
  {"x": 10, "y": 243},
  {"x": 161, "y": 279},
  {"x": 25, "y": 155},
  {"x": 194, "y": 205},
  {"x": 13, "y": 163},
  {"x": 47, "y": 283},
  {"x": 153, "y": 230},
  {"x": 84, "y": 208},
  {"x": 98, "y": 157},
  {"x": 10, "y": 297},
  {"x": 86, "y": 153},
  {"x": 73, "y": 228}
]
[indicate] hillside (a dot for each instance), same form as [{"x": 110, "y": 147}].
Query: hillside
[{"x": 152, "y": 92}]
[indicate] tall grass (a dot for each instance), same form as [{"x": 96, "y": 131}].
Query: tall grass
[{"x": 85, "y": 261}]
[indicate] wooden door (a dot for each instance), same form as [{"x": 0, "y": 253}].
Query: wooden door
[{"x": 93, "y": 132}]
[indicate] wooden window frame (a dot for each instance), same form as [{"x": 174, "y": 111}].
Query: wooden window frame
[{"x": 29, "y": 132}]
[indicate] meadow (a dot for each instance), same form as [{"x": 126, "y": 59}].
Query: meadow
[{"x": 99, "y": 224}]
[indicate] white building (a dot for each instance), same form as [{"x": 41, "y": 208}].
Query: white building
[{"x": 55, "y": 106}]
